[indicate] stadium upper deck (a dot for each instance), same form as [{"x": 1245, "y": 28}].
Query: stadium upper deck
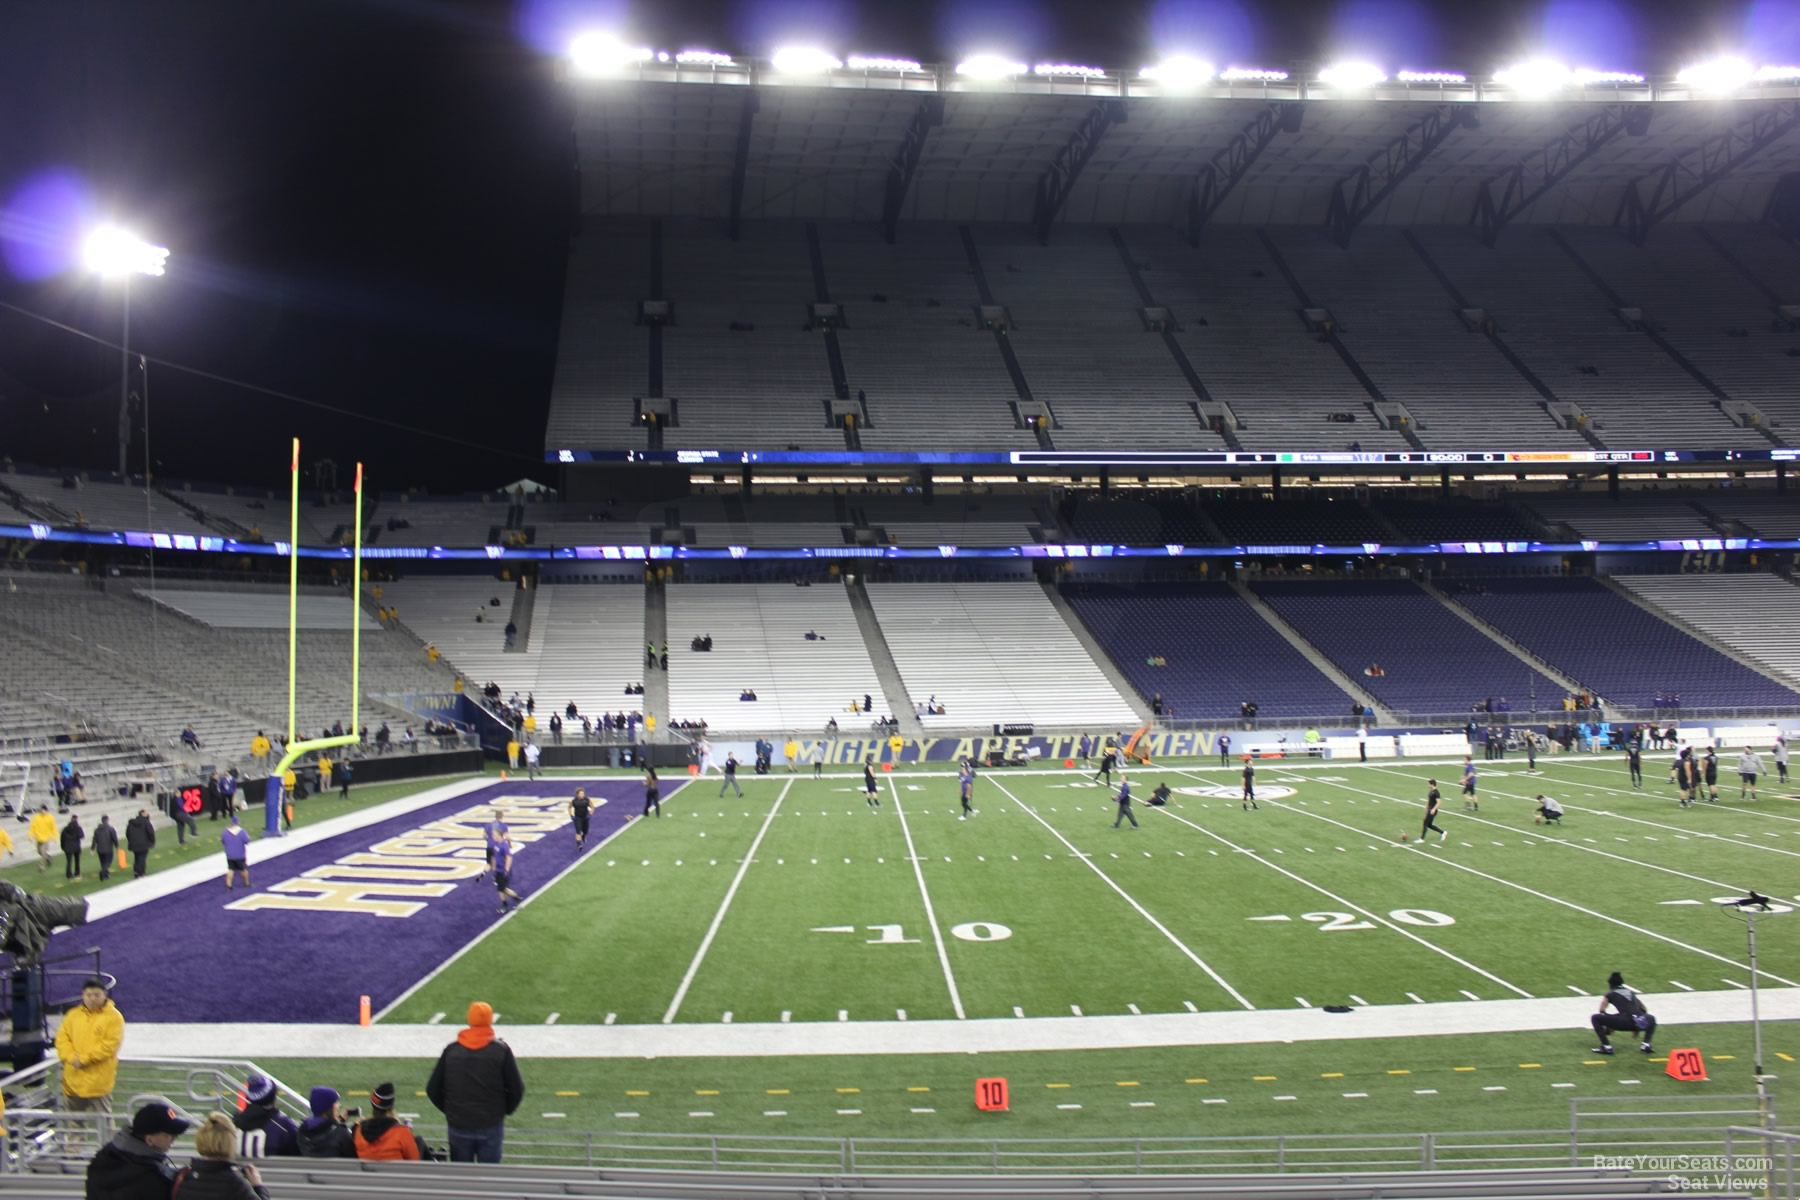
[{"x": 720, "y": 296}]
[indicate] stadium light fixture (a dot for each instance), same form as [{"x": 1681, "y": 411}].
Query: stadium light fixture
[
  {"x": 805, "y": 60},
  {"x": 1535, "y": 77},
  {"x": 703, "y": 58},
  {"x": 1178, "y": 71},
  {"x": 1431, "y": 77},
  {"x": 860, "y": 62},
  {"x": 1069, "y": 70},
  {"x": 1584, "y": 77},
  {"x": 1724, "y": 74},
  {"x": 989, "y": 66},
  {"x": 602, "y": 53},
  {"x": 1352, "y": 75},
  {"x": 1251, "y": 75},
  {"x": 110, "y": 250}
]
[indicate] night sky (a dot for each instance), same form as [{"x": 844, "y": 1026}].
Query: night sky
[{"x": 368, "y": 201}]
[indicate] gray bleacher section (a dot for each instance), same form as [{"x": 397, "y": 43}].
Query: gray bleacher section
[
  {"x": 590, "y": 639},
  {"x": 1696, "y": 299},
  {"x": 935, "y": 379},
  {"x": 1082, "y": 344},
  {"x": 765, "y": 385},
  {"x": 438, "y": 522},
  {"x": 1241, "y": 328},
  {"x": 259, "y": 610},
  {"x": 1403, "y": 328},
  {"x": 571, "y": 523},
  {"x": 1754, "y": 615},
  {"x": 1558, "y": 322},
  {"x": 140, "y": 671},
  {"x": 441, "y": 611},
  {"x": 99, "y": 505},
  {"x": 1634, "y": 518},
  {"x": 602, "y": 354},
  {"x": 952, "y": 520},
  {"x": 1765, "y": 513},
  {"x": 239, "y": 516}
]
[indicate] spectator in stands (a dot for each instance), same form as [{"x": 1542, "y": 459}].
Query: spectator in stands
[
  {"x": 831, "y": 725},
  {"x": 87, "y": 1045},
  {"x": 587, "y": 728},
  {"x": 868, "y": 704},
  {"x": 264, "y": 1131},
  {"x": 556, "y": 727},
  {"x": 259, "y": 747},
  {"x": 1248, "y": 711},
  {"x": 476, "y": 1085},
  {"x": 383, "y": 1138},
  {"x": 407, "y": 739},
  {"x": 812, "y": 635},
  {"x": 189, "y": 738},
  {"x": 747, "y": 694},
  {"x": 72, "y": 839},
  {"x": 650, "y": 654},
  {"x": 512, "y": 631},
  {"x": 215, "y": 1174},
  {"x": 135, "y": 1165},
  {"x": 663, "y": 658},
  {"x": 106, "y": 846},
  {"x": 384, "y": 739},
  {"x": 1156, "y": 704},
  {"x": 325, "y": 1134},
  {"x": 140, "y": 839}
]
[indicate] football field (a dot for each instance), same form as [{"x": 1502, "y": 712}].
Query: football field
[{"x": 799, "y": 903}]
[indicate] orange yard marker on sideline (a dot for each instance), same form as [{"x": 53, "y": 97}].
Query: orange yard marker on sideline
[
  {"x": 1686, "y": 1065},
  {"x": 362, "y": 1017}
]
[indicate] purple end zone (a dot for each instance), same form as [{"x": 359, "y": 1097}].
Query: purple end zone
[{"x": 187, "y": 957}]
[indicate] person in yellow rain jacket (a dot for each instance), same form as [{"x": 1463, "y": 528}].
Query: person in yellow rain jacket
[
  {"x": 512, "y": 753},
  {"x": 43, "y": 833},
  {"x": 790, "y": 750},
  {"x": 324, "y": 774},
  {"x": 88, "y": 1047},
  {"x": 259, "y": 746},
  {"x": 6, "y": 846}
]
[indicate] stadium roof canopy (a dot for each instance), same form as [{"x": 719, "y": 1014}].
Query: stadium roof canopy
[{"x": 678, "y": 140}]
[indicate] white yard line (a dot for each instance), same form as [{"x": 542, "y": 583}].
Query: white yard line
[
  {"x": 1088, "y": 862},
  {"x": 1570, "y": 904},
  {"x": 516, "y": 910},
  {"x": 712, "y": 931},
  {"x": 1337, "y": 899},
  {"x": 937, "y": 934}
]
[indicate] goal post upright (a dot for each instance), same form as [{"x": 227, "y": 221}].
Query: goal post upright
[{"x": 296, "y": 749}]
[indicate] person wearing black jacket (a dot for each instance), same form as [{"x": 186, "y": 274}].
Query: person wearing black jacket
[
  {"x": 135, "y": 1164},
  {"x": 1628, "y": 1015},
  {"x": 73, "y": 837},
  {"x": 325, "y": 1134},
  {"x": 140, "y": 839},
  {"x": 476, "y": 1085},
  {"x": 106, "y": 845}
]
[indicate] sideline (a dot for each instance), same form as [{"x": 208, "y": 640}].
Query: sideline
[{"x": 1566, "y": 1014}]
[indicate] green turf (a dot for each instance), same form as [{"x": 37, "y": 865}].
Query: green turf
[
  {"x": 23, "y": 869},
  {"x": 1043, "y": 909},
  {"x": 1495, "y": 1082}
]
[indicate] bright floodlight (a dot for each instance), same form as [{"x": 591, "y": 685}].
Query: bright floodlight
[
  {"x": 600, "y": 53},
  {"x": 1180, "y": 71},
  {"x": 1583, "y": 77},
  {"x": 1352, "y": 75},
  {"x": 859, "y": 62},
  {"x": 1717, "y": 75},
  {"x": 110, "y": 250},
  {"x": 989, "y": 66},
  {"x": 1251, "y": 75},
  {"x": 1431, "y": 77},
  {"x": 1534, "y": 77},
  {"x": 703, "y": 58},
  {"x": 805, "y": 60},
  {"x": 1074, "y": 70}
]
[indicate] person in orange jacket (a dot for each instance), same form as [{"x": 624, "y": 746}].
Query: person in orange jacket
[{"x": 381, "y": 1136}]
